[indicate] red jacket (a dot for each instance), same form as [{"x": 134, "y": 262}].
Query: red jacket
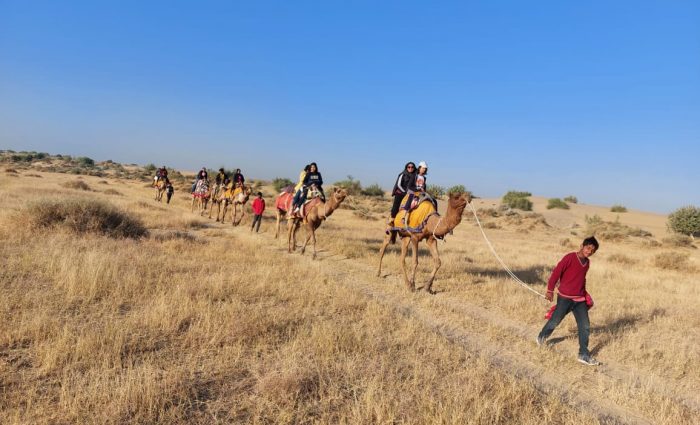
[
  {"x": 571, "y": 275},
  {"x": 258, "y": 206}
]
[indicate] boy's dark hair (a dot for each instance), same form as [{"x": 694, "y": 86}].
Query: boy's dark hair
[
  {"x": 307, "y": 168},
  {"x": 259, "y": 194},
  {"x": 591, "y": 241}
]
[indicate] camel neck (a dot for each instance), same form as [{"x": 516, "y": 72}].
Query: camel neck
[{"x": 443, "y": 225}]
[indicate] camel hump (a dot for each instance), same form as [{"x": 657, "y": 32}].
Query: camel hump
[
  {"x": 416, "y": 217},
  {"x": 284, "y": 201}
]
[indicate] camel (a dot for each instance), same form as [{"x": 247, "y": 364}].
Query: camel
[
  {"x": 435, "y": 227},
  {"x": 217, "y": 197},
  {"x": 312, "y": 220},
  {"x": 201, "y": 196},
  {"x": 238, "y": 199},
  {"x": 283, "y": 204},
  {"x": 159, "y": 186}
]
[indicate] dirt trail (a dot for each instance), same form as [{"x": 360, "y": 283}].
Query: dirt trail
[{"x": 608, "y": 390}]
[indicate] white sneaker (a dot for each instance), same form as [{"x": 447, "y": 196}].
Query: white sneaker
[{"x": 587, "y": 359}]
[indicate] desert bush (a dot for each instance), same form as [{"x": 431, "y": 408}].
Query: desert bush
[
  {"x": 572, "y": 199},
  {"x": 685, "y": 220},
  {"x": 435, "y": 191},
  {"x": 557, "y": 203},
  {"x": 612, "y": 230},
  {"x": 352, "y": 186},
  {"x": 84, "y": 161},
  {"x": 618, "y": 208},
  {"x": 113, "y": 192},
  {"x": 76, "y": 184},
  {"x": 150, "y": 168},
  {"x": 679, "y": 240},
  {"x": 373, "y": 190},
  {"x": 280, "y": 183},
  {"x": 459, "y": 188},
  {"x": 84, "y": 215},
  {"x": 175, "y": 235},
  {"x": 672, "y": 261},
  {"x": 518, "y": 200},
  {"x": 103, "y": 182},
  {"x": 621, "y": 259}
]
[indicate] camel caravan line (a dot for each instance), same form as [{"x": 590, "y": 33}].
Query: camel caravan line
[{"x": 423, "y": 222}]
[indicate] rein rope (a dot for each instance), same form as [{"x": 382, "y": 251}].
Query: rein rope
[{"x": 510, "y": 273}]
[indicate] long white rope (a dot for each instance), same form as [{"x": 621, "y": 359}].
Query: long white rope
[{"x": 510, "y": 273}]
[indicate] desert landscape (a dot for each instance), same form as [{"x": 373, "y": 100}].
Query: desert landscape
[{"x": 117, "y": 308}]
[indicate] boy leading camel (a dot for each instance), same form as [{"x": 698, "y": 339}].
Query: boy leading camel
[{"x": 571, "y": 275}]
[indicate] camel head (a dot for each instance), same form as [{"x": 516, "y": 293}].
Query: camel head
[
  {"x": 339, "y": 195},
  {"x": 459, "y": 201}
]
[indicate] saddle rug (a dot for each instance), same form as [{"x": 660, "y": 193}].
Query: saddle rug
[{"x": 416, "y": 217}]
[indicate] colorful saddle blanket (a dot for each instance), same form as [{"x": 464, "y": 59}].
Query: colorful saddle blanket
[
  {"x": 283, "y": 202},
  {"x": 232, "y": 192},
  {"x": 416, "y": 217}
]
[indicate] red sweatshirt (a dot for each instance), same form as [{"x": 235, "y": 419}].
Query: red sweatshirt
[
  {"x": 258, "y": 206},
  {"x": 571, "y": 275}
]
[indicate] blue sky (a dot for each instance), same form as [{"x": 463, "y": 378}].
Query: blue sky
[{"x": 600, "y": 100}]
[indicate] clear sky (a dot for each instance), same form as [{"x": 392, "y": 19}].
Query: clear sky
[{"x": 598, "y": 99}]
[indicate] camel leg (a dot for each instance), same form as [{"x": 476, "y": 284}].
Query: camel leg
[
  {"x": 414, "y": 245},
  {"x": 387, "y": 241},
  {"x": 404, "y": 250},
  {"x": 242, "y": 215},
  {"x": 291, "y": 235},
  {"x": 193, "y": 201},
  {"x": 278, "y": 217},
  {"x": 235, "y": 213},
  {"x": 433, "y": 246},
  {"x": 309, "y": 234},
  {"x": 223, "y": 215}
]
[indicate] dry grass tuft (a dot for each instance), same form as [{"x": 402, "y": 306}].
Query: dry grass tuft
[
  {"x": 113, "y": 192},
  {"x": 678, "y": 240},
  {"x": 672, "y": 261},
  {"x": 33, "y": 175},
  {"x": 621, "y": 259},
  {"x": 175, "y": 235},
  {"x": 83, "y": 215},
  {"x": 76, "y": 184},
  {"x": 10, "y": 171},
  {"x": 103, "y": 182}
]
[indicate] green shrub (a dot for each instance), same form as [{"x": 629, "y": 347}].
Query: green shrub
[
  {"x": 435, "y": 191},
  {"x": 84, "y": 161},
  {"x": 618, "y": 208},
  {"x": 572, "y": 199},
  {"x": 685, "y": 220},
  {"x": 280, "y": 183},
  {"x": 84, "y": 215},
  {"x": 373, "y": 190},
  {"x": 459, "y": 188},
  {"x": 150, "y": 168},
  {"x": 518, "y": 200},
  {"x": 612, "y": 230},
  {"x": 557, "y": 203},
  {"x": 352, "y": 186}
]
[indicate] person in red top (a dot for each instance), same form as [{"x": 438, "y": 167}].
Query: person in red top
[
  {"x": 258, "y": 206},
  {"x": 570, "y": 273}
]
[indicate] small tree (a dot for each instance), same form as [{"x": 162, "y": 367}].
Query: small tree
[
  {"x": 280, "y": 183},
  {"x": 352, "y": 186},
  {"x": 572, "y": 199},
  {"x": 618, "y": 208},
  {"x": 456, "y": 189},
  {"x": 84, "y": 161},
  {"x": 373, "y": 190},
  {"x": 435, "y": 191},
  {"x": 685, "y": 220},
  {"x": 518, "y": 200}
]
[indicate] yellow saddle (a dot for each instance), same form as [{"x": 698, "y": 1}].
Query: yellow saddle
[{"x": 415, "y": 216}]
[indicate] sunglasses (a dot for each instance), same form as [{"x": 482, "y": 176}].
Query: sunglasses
[{"x": 410, "y": 166}]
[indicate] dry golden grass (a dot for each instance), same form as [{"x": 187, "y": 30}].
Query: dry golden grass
[{"x": 206, "y": 323}]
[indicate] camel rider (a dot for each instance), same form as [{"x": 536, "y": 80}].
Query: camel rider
[
  {"x": 300, "y": 185},
  {"x": 238, "y": 178},
  {"x": 313, "y": 180},
  {"x": 221, "y": 177},
  {"x": 161, "y": 173},
  {"x": 416, "y": 187},
  {"x": 401, "y": 187},
  {"x": 201, "y": 175}
]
